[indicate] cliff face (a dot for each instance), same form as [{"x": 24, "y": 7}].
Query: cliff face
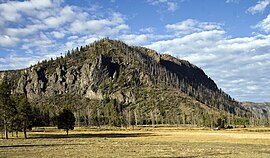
[
  {"x": 36, "y": 82},
  {"x": 258, "y": 109},
  {"x": 112, "y": 69}
]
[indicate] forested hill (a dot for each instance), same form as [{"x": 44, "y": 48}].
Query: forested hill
[{"x": 109, "y": 82}]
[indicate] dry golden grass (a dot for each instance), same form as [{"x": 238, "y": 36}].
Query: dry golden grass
[{"x": 140, "y": 142}]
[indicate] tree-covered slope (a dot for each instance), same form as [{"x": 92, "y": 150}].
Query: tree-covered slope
[{"x": 109, "y": 82}]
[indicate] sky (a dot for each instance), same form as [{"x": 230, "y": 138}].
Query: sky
[{"x": 228, "y": 39}]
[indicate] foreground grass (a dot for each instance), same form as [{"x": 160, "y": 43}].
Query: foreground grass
[{"x": 144, "y": 142}]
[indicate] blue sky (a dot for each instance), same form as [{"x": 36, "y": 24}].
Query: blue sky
[{"x": 228, "y": 39}]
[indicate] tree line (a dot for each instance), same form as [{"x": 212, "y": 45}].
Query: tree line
[{"x": 17, "y": 115}]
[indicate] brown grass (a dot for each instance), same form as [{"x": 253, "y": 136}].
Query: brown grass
[{"x": 140, "y": 142}]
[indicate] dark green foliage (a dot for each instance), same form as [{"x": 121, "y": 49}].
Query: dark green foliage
[
  {"x": 66, "y": 120},
  {"x": 241, "y": 121},
  {"x": 39, "y": 119},
  {"x": 24, "y": 117},
  {"x": 220, "y": 123},
  {"x": 121, "y": 78},
  {"x": 207, "y": 120},
  {"x": 114, "y": 113},
  {"x": 7, "y": 107},
  {"x": 16, "y": 112}
]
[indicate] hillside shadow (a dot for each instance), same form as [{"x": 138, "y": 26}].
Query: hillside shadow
[{"x": 91, "y": 135}]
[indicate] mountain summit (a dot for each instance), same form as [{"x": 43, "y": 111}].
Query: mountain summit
[{"x": 109, "y": 82}]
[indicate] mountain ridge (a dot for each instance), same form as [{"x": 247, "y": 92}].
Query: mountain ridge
[{"x": 130, "y": 78}]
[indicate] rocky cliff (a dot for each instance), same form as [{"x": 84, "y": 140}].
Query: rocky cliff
[{"x": 259, "y": 112}]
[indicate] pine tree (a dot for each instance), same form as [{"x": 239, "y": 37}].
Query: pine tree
[
  {"x": 7, "y": 107},
  {"x": 25, "y": 113},
  {"x": 66, "y": 120}
]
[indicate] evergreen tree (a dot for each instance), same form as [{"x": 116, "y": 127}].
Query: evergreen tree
[
  {"x": 7, "y": 107},
  {"x": 66, "y": 120},
  {"x": 68, "y": 54},
  {"x": 24, "y": 117},
  {"x": 25, "y": 114}
]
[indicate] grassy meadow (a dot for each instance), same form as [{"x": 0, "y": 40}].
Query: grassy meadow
[{"x": 140, "y": 142}]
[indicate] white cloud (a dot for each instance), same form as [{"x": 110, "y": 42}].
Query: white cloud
[
  {"x": 190, "y": 25},
  {"x": 189, "y": 43},
  {"x": 15, "y": 61},
  {"x": 232, "y": 1},
  {"x": 134, "y": 39},
  {"x": 8, "y": 41},
  {"x": 65, "y": 16},
  {"x": 259, "y": 7},
  {"x": 11, "y": 10},
  {"x": 76, "y": 41},
  {"x": 170, "y": 5},
  {"x": 148, "y": 30},
  {"x": 264, "y": 25},
  {"x": 57, "y": 34},
  {"x": 27, "y": 30},
  {"x": 142, "y": 39},
  {"x": 52, "y": 22},
  {"x": 40, "y": 43},
  {"x": 108, "y": 26}
]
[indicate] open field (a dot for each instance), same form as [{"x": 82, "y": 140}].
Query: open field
[{"x": 141, "y": 142}]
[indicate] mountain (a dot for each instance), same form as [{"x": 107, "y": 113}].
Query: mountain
[
  {"x": 260, "y": 112},
  {"x": 109, "y": 82}
]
